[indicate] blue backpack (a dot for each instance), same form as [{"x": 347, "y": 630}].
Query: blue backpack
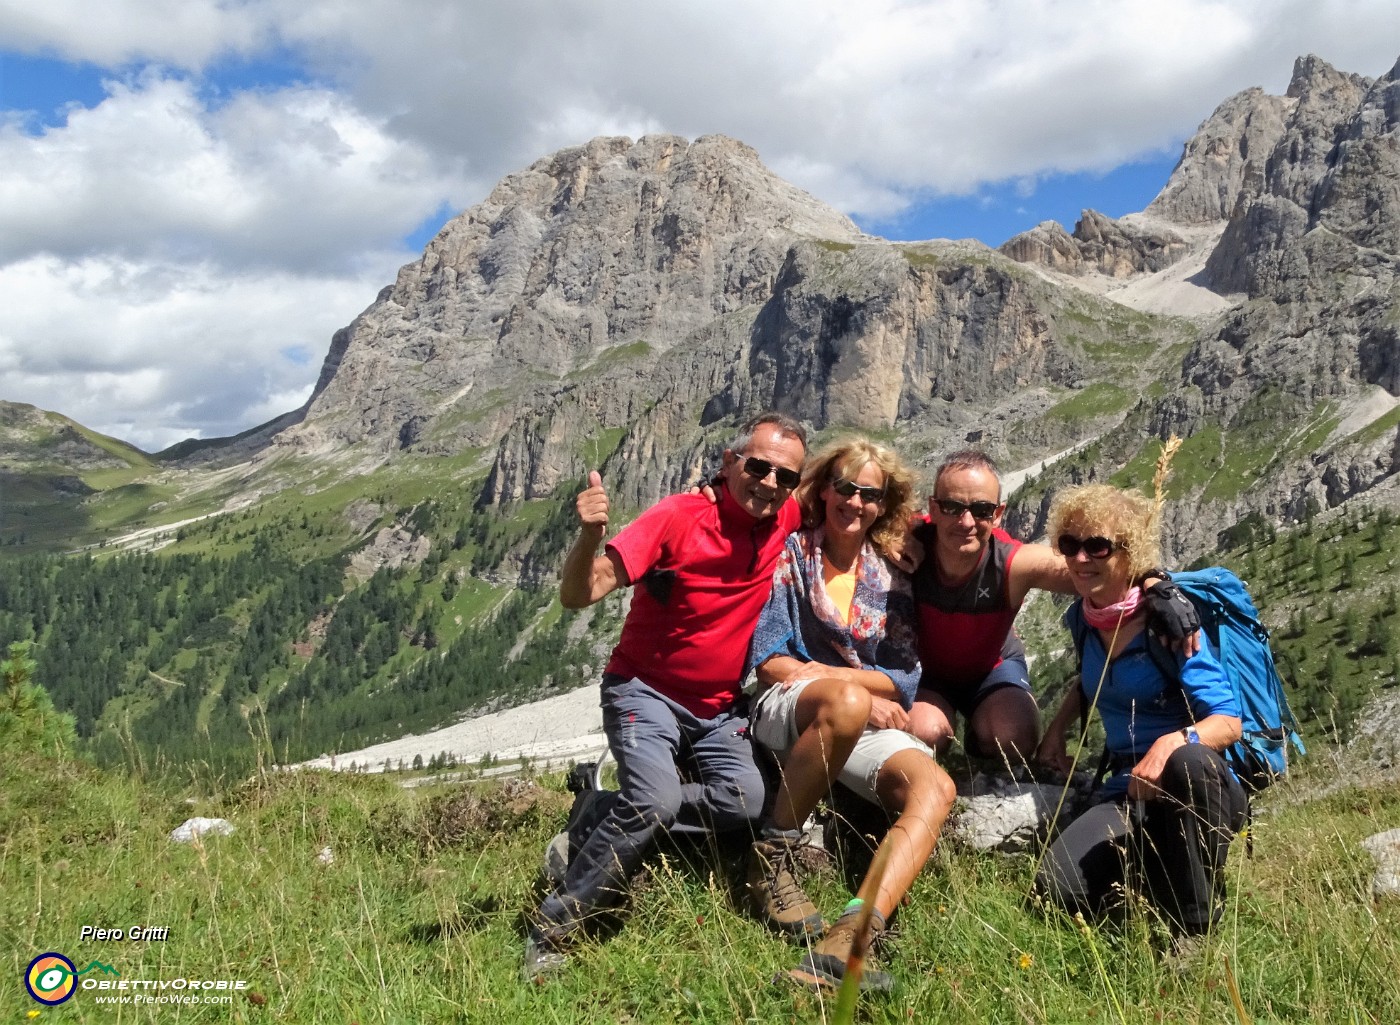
[{"x": 1230, "y": 620}]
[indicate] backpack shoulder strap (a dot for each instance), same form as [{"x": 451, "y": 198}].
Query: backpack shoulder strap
[
  {"x": 1079, "y": 630},
  {"x": 1163, "y": 658}
]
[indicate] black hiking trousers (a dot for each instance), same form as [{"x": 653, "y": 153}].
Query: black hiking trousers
[{"x": 1171, "y": 849}]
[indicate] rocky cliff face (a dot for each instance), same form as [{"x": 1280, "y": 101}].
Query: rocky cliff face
[
  {"x": 1226, "y": 156},
  {"x": 1308, "y": 178},
  {"x": 596, "y": 248}
]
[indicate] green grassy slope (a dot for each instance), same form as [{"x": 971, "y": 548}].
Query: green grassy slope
[{"x": 417, "y": 916}]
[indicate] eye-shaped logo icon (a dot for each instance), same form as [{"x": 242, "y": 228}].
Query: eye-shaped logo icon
[{"x": 51, "y": 979}]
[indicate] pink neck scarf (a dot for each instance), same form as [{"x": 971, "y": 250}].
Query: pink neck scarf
[{"x": 1113, "y": 616}]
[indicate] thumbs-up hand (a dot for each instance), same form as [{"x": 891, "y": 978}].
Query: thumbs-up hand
[{"x": 592, "y": 504}]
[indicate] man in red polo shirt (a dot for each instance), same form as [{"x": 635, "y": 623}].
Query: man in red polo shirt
[{"x": 702, "y": 571}]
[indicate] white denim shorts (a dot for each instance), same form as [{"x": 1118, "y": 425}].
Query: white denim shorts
[{"x": 773, "y": 723}]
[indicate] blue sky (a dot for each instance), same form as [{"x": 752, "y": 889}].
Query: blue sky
[{"x": 195, "y": 195}]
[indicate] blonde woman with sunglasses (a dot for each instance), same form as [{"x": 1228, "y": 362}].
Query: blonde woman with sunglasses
[
  {"x": 1170, "y": 805},
  {"x": 837, "y": 663}
]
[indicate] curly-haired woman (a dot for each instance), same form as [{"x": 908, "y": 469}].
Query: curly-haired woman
[{"x": 1170, "y": 805}]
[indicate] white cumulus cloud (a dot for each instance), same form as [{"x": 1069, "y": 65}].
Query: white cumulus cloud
[
  {"x": 295, "y": 178},
  {"x": 153, "y": 353},
  {"x": 175, "y": 257}
]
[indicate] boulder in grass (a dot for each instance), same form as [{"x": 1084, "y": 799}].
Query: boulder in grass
[
  {"x": 1001, "y": 813},
  {"x": 1385, "y": 848},
  {"x": 191, "y": 829}
]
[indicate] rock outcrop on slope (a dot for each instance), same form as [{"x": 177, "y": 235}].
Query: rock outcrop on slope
[
  {"x": 1100, "y": 244},
  {"x": 33, "y": 438}
]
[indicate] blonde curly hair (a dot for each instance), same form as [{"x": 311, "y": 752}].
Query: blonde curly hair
[
  {"x": 1127, "y": 517},
  {"x": 846, "y": 457}
]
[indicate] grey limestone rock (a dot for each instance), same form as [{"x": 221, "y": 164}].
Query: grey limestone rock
[
  {"x": 392, "y": 547},
  {"x": 1099, "y": 245},
  {"x": 611, "y": 245},
  {"x": 1328, "y": 168},
  {"x": 1385, "y": 849},
  {"x": 1224, "y": 158},
  {"x": 1002, "y": 813}
]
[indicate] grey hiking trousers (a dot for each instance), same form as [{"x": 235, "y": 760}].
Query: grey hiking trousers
[{"x": 651, "y": 737}]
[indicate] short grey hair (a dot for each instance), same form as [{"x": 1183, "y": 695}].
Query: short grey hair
[
  {"x": 968, "y": 459},
  {"x": 784, "y": 424}
]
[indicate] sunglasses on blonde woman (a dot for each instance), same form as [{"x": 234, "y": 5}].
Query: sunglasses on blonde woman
[
  {"x": 846, "y": 488},
  {"x": 1094, "y": 547}
]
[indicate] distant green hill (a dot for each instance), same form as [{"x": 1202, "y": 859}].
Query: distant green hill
[{"x": 61, "y": 483}]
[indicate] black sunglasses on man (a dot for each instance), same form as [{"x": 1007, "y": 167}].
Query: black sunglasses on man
[{"x": 761, "y": 468}]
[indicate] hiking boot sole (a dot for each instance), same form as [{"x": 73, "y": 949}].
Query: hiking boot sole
[
  {"x": 556, "y": 859},
  {"x": 825, "y": 972}
]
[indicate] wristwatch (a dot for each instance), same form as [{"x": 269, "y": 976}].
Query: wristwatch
[{"x": 1192, "y": 737}]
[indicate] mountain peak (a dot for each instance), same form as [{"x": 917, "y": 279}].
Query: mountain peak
[
  {"x": 1313, "y": 77},
  {"x": 613, "y": 243}
]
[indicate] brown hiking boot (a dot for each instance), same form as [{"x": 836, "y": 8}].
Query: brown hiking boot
[
  {"x": 775, "y": 896},
  {"x": 824, "y": 966}
]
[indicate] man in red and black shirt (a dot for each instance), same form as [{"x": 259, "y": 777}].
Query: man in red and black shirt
[
  {"x": 702, "y": 571},
  {"x": 968, "y": 590}
]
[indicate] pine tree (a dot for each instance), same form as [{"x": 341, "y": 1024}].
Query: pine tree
[{"x": 1380, "y": 637}]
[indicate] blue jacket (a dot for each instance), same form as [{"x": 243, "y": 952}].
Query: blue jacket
[{"x": 1138, "y": 703}]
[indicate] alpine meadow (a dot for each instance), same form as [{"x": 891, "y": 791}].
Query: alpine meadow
[{"x": 181, "y": 630}]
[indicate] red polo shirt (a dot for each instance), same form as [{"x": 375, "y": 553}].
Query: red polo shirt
[{"x": 700, "y": 572}]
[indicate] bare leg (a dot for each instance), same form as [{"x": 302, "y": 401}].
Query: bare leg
[
  {"x": 932, "y": 720},
  {"x": 1007, "y": 725},
  {"x": 831, "y": 715},
  {"x": 914, "y": 785}
]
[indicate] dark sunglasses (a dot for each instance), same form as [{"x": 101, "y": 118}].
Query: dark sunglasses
[
  {"x": 1094, "y": 547},
  {"x": 846, "y": 488},
  {"x": 979, "y": 510},
  {"x": 761, "y": 468}
]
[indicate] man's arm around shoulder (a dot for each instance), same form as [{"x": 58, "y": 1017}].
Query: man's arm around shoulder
[
  {"x": 587, "y": 576},
  {"x": 1038, "y": 566}
]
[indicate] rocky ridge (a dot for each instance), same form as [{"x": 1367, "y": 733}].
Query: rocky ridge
[
  {"x": 1306, "y": 189},
  {"x": 623, "y": 303}
]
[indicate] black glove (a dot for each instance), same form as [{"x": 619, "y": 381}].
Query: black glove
[{"x": 1170, "y": 614}]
